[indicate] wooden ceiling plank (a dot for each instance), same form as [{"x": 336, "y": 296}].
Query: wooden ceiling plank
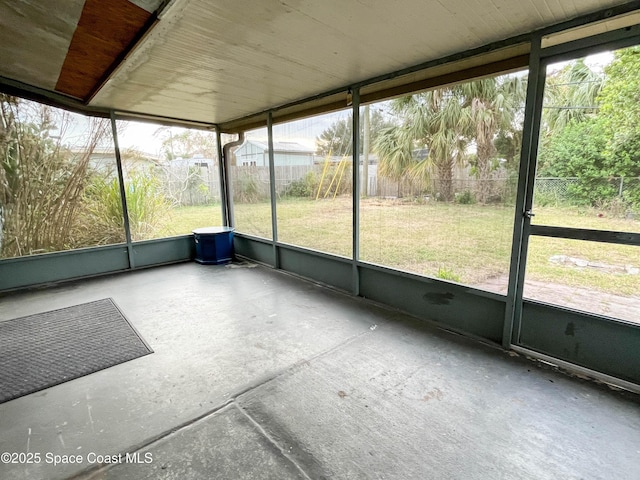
[{"x": 105, "y": 30}]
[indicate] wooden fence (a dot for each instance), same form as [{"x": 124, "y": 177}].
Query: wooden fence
[{"x": 189, "y": 185}]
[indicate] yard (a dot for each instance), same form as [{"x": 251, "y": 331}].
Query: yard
[{"x": 470, "y": 244}]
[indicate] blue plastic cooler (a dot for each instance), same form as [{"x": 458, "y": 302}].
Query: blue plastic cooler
[{"x": 214, "y": 245}]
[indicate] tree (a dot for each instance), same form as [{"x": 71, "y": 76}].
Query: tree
[
  {"x": 619, "y": 98},
  {"x": 447, "y": 121},
  {"x": 394, "y": 149},
  {"x": 600, "y": 144},
  {"x": 508, "y": 143},
  {"x": 337, "y": 138},
  {"x": 431, "y": 120},
  {"x": 186, "y": 143},
  {"x": 579, "y": 151},
  {"x": 570, "y": 95},
  {"x": 619, "y": 102},
  {"x": 491, "y": 106}
]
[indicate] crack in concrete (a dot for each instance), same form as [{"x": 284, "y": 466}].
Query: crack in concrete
[{"x": 273, "y": 441}]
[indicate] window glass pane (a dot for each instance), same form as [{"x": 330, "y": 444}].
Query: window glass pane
[
  {"x": 594, "y": 277},
  {"x": 249, "y": 176},
  {"x": 313, "y": 169},
  {"x": 588, "y": 173},
  {"x": 57, "y": 175},
  {"x": 442, "y": 181},
  {"x": 171, "y": 179}
]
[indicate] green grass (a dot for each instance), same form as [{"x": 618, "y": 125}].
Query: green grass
[
  {"x": 469, "y": 243},
  {"x": 184, "y": 220},
  {"x": 583, "y": 217}
]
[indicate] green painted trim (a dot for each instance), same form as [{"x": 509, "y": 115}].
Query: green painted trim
[
  {"x": 524, "y": 200},
  {"x": 163, "y": 250},
  {"x": 34, "y": 270},
  {"x": 254, "y": 248},
  {"x": 316, "y": 253},
  {"x": 604, "y": 236},
  {"x": 422, "y": 278},
  {"x": 272, "y": 191},
  {"x": 613, "y": 40},
  {"x": 604, "y": 345},
  {"x": 450, "y": 306},
  {"x": 123, "y": 194},
  {"x": 325, "y": 269}
]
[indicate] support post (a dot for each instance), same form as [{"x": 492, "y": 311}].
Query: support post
[
  {"x": 355, "y": 194},
  {"x": 123, "y": 192},
  {"x": 366, "y": 142},
  {"x": 222, "y": 184},
  {"x": 272, "y": 186},
  {"x": 524, "y": 198}
]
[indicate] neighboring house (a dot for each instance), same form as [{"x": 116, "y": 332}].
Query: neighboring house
[
  {"x": 195, "y": 161},
  {"x": 256, "y": 154},
  {"x": 103, "y": 160}
]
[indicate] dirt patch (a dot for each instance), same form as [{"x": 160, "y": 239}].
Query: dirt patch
[{"x": 592, "y": 301}]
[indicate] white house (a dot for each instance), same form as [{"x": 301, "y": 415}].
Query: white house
[
  {"x": 198, "y": 160},
  {"x": 103, "y": 160},
  {"x": 256, "y": 153}
]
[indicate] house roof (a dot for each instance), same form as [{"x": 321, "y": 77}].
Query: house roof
[
  {"x": 227, "y": 62},
  {"x": 288, "y": 147}
]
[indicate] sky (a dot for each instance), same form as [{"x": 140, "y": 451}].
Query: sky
[{"x": 141, "y": 136}]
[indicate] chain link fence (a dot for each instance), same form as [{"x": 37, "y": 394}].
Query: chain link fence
[
  {"x": 557, "y": 190},
  {"x": 596, "y": 191}
]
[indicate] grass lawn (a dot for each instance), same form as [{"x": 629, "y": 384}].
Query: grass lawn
[
  {"x": 184, "y": 220},
  {"x": 470, "y": 244}
]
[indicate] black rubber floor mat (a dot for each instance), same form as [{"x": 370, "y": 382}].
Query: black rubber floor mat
[{"x": 46, "y": 349}]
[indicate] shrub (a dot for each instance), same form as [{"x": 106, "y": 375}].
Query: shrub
[
  {"x": 306, "y": 186},
  {"x": 102, "y": 220},
  {"x": 465, "y": 198},
  {"x": 246, "y": 189}
]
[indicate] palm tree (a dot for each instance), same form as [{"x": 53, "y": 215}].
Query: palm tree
[
  {"x": 570, "y": 95},
  {"x": 491, "y": 106},
  {"x": 431, "y": 120},
  {"x": 446, "y": 121}
]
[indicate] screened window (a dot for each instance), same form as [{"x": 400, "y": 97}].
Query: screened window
[
  {"x": 249, "y": 177},
  {"x": 441, "y": 181},
  {"x": 57, "y": 175},
  {"x": 171, "y": 179},
  {"x": 313, "y": 161}
]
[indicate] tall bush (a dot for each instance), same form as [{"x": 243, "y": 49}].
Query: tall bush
[
  {"x": 103, "y": 218},
  {"x": 42, "y": 179}
]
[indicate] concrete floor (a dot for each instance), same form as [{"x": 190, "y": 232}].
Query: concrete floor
[{"x": 257, "y": 374}]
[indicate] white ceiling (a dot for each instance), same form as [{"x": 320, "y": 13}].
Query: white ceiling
[
  {"x": 34, "y": 39},
  {"x": 216, "y": 61}
]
